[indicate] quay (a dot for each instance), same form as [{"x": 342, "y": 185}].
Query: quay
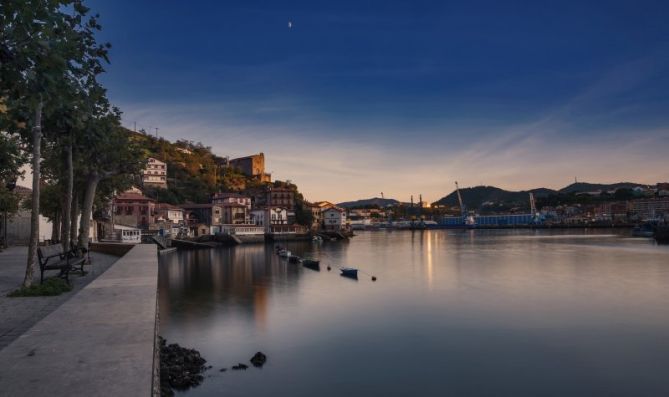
[{"x": 100, "y": 342}]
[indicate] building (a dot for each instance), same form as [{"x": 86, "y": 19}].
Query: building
[
  {"x": 169, "y": 213},
  {"x": 253, "y": 166},
  {"x": 334, "y": 219},
  {"x": 269, "y": 216},
  {"x": 235, "y": 214},
  {"x": 231, "y": 198},
  {"x": 132, "y": 208},
  {"x": 196, "y": 215},
  {"x": 155, "y": 174},
  {"x": 651, "y": 208},
  {"x": 282, "y": 197}
]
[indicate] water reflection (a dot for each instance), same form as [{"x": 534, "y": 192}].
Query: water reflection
[{"x": 473, "y": 312}]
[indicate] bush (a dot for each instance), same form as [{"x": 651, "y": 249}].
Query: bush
[{"x": 51, "y": 287}]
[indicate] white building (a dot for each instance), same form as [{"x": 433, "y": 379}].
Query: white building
[
  {"x": 267, "y": 217},
  {"x": 155, "y": 174},
  {"x": 231, "y": 198},
  {"x": 334, "y": 219}
]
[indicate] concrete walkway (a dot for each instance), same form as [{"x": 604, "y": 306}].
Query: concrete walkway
[
  {"x": 98, "y": 343},
  {"x": 19, "y": 314}
]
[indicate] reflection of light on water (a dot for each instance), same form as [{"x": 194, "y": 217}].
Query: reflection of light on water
[{"x": 430, "y": 264}]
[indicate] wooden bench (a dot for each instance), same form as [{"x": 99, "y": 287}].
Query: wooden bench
[{"x": 52, "y": 257}]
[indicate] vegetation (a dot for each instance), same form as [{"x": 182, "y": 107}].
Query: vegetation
[
  {"x": 51, "y": 287},
  {"x": 51, "y": 100}
]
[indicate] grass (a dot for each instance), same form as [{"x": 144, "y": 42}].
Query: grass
[{"x": 51, "y": 287}]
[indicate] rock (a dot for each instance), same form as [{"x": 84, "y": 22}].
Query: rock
[
  {"x": 240, "y": 366},
  {"x": 259, "y": 359},
  {"x": 180, "y": 368}
]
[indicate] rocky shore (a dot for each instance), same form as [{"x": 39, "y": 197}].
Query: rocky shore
[{"x": 180, "y": 368}]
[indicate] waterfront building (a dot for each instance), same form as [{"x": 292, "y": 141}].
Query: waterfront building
[
  {"x": 203, "y": 216},
  {"x": 231, "y": 198},
  {"x": 169, "y": 213},
  {"x": 653, "y": 208},
  {"x": 235, "y": 214},
  {"x": 334, "y": 219},
  {"x": 155, "y": 174},
  {"x": 132, "y": 208},
  {"x": 253, "y": 166}
]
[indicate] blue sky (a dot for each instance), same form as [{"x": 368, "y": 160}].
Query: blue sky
[{"x": 361, "y": 97}]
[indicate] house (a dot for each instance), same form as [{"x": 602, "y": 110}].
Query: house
[
  {"x": 169, "y": 213},
  {"x": 334, "y": 219},
  {"x": 132, "y": 208},
  {"x": 267, "y": 217},
  {"x": 235, "y": 214},
  {"x": 253, "y": 166},
  {"x": 155, "y": 174},
  {"x": 209, "y": 215},
  {"x": 231, "y": 198}
]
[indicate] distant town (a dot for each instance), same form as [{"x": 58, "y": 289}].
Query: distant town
[{"x": 242, "y": 204}]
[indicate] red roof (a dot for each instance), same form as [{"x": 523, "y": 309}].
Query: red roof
[{"x": 133, "y": 197}]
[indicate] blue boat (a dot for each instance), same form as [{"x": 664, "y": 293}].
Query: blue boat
[{"x": 349, "y": 272}]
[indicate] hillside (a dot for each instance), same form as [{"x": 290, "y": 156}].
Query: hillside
[
  {"x": 474, "y": 197},
  {"x": 194, "y": 172},
  {"x": 372, "y": 202},
  {"x": 593, "y": 187}
]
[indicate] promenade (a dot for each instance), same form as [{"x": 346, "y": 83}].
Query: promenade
[
  {"x": 98, "y": 341},
  {"x": 19, "y": 314}
]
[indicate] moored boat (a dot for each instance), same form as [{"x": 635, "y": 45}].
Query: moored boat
[
  {"x": 349, "y": 272},
  {"x": 643, "y": 231},
  {"x": 284, "y": 253},
  {"x": 662, "y": 234},
  {"x": 294, "y": 259},
  {"x": 311, "y": 263}
]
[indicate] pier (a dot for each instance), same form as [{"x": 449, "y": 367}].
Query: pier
[{"x": 100, "y": 342}]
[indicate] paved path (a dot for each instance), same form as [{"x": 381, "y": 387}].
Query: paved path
[
  {"x": 99, "y": 343},
  {"x": 19, "y": 314}
]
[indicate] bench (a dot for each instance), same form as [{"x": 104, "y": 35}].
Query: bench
[{"x": 52, "y": 257}]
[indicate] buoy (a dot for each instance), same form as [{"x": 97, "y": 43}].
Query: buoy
[{"x": 373, "y": 278}]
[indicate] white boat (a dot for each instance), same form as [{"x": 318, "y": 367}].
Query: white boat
[{"x": 284, "y": 253}]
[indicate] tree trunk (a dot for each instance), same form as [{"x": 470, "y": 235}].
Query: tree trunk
[
  {"x": 87, "y": 209},
  {"x": 34, "y": 216},
  {"x": 73, "y": 218},
  {"x": 55, "y": 227},
  {"x": 68, "y": 225}
]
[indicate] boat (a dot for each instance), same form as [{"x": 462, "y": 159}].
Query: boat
[
  {"x": 311, "y": 263},
  {"x": 643, "y": 231},
  {"x": 662, "y": 234},
  {"x": 349, "y": 272},
  {"x": 284, "y": 253},
  {"x": 294, "y": 259},
  {"x": 317, "y": 238}
]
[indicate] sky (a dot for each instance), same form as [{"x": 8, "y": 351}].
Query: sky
[{"x": 402, "y": 97}]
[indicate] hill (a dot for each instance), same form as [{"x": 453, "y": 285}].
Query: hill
[
  {"x": 194, "y": 172},
  {"x": 475, "y": 197},
  {"x": 593, "y": 187},
  {"x": 372, "y": 202}
]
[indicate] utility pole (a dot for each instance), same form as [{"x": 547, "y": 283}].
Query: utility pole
[
  {"x": 134, "y": 126},
  {"x": 156, "y": 132}
]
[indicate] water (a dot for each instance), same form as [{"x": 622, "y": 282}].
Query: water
[{"x": 453, "y": 313}]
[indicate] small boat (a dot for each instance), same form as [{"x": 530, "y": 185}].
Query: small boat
[
  {"x": 349, "y": 272},
  {"x": 662, "y": 234},
  {"x": 311, "y": 263},
  {"x": 284, "y": 253},
  {"x": 643, "y": 231},
  {"x": 294, "y": 259}
]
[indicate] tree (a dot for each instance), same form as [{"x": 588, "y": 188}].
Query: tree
[{"x": 45, "y": 45}]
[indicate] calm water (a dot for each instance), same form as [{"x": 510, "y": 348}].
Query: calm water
[{"x": 453, "y": 313}]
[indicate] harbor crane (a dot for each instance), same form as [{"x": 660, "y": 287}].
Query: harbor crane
[{"x": 468, "y": 220}]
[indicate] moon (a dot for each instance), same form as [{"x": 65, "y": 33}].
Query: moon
[{"x": 290, "y": 24}]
